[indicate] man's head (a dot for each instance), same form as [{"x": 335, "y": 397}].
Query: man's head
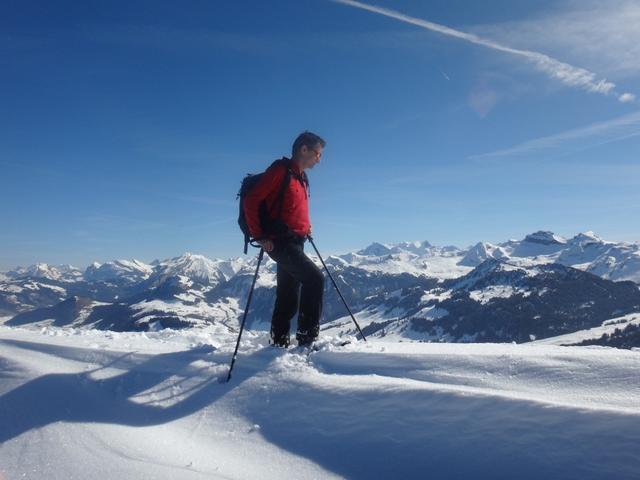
[{"x": 307, "y": 149}]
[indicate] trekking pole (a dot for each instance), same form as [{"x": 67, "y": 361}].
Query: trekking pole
[
  {"x": 255, "y": 277},
  {"x": 337, "y": 289}
]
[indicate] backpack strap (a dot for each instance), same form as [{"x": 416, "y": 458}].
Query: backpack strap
[
  {"x": 247, "y": 239},
  {"x": 285, "y": 183},
  {"x": 305, "y": 183}
]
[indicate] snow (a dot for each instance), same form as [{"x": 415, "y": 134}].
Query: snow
[
  {"x": 480, "y": 252},
  {"x": 415, "y": 258},
  {"x": 196, "y": 267},
  {"x": 431, "y": 312},
  {"x": 198, "y": 312},
  {"x": 132, "y": 270},
  {"x": 31, "y": 285},
  {"x": 608, "y": 326},
  {"x": 545, "y": 237},
  {"x": 486, "y": 294},
  {"x": 190, "y": 297},
  {"x": 585, "y": 251},
  {"x": 63, "y": 273},
  {"x": 441, "y": 296},
  {"x": 99, "y": 404},
  {"x": 376, "y": 249},
  {"x": 523, "y": 266},
  {"x": 344, "y": 325},
  {"x": 11, "y": 288},
  {"x": 587, "y": 237}
]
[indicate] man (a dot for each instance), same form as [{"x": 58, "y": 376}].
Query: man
[{"x": 285, "y": 245}]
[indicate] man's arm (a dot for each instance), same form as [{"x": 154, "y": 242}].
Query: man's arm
[{"x": 271, "y": 179}]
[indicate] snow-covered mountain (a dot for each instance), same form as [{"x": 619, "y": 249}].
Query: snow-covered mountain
[
  {"x": 586, "y": 251},
  {"x": 621, "y": 332},
  {"x": 480, "y": 252},
  {"x": 415, "y": 258},
  {"x": 496, "y": 302},
  {"x": 537, "y": 287},
  {"x": 24, "y": 294},
  {"x": 44, "y": 271},
  {"x": 198, "y": 268},
  {"x": 127, "y": 271}
]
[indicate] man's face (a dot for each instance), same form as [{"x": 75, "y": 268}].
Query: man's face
[{"x": 310, "y": 156}]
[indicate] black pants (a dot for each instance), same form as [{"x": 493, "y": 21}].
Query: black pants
[{"x": 299, "y": 281}]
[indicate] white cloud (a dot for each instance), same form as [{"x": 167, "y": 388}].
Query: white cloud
[
  {"x": 614, "y": 130},
  {"x": 627, "y": 98},
  {"x": 564, "y": 72},
  {"x": 601, "y": 36}
]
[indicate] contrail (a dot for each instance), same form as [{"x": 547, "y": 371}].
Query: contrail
[
  {"x": 567, "y": 74},
  {"x": 613, "y": 130}
]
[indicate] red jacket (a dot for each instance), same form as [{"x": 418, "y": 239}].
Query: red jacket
[{"x": 295, "y": 203}]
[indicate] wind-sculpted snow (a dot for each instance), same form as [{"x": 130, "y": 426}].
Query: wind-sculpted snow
[{"x": 94, "y": 404}]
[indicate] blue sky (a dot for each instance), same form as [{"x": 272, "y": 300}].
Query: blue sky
[{"x": 126, "y": 127}]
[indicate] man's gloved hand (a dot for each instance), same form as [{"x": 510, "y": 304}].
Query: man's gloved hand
[
  {"x": 309, "y": 232},
  {"x": 267, "y": 244}
]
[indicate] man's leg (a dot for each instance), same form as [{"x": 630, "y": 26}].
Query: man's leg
[
  {"x": 310, "y": 307},
  {"x": 291, "y": 258},
  {"x": 285, "y": 306}
]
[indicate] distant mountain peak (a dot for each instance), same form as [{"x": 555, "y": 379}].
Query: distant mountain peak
[
  {"x": 45, "y": 271},
  {"x": 480, "y": 252},
  {"x": 589, "y": 236},
  {"x": 130, "y": 270},
  {"x": 416, "y": 247},
  {"x": 195, "y": 266},
  {"x": 375, "y": 249},
  {"x": 545, "y": 237}
]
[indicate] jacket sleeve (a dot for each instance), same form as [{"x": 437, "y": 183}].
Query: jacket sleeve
[{"x": 270, "y": 180}]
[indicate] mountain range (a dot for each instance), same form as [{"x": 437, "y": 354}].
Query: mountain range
[{"x": 541, "y": 286}]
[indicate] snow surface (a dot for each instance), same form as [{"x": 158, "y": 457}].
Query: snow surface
[
  {"x": 608, "y": 327},
  {"x": 77, "y": 404}
]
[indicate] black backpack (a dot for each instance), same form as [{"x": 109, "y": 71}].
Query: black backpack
[{"x": 269, "y": 223}]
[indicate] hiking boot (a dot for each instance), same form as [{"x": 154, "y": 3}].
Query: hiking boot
[
  {"x": 305, "y": 341},
  {"x": 282, "y": 341}
]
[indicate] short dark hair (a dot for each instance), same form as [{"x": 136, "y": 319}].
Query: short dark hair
[{"x": 306, "y": 138}]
